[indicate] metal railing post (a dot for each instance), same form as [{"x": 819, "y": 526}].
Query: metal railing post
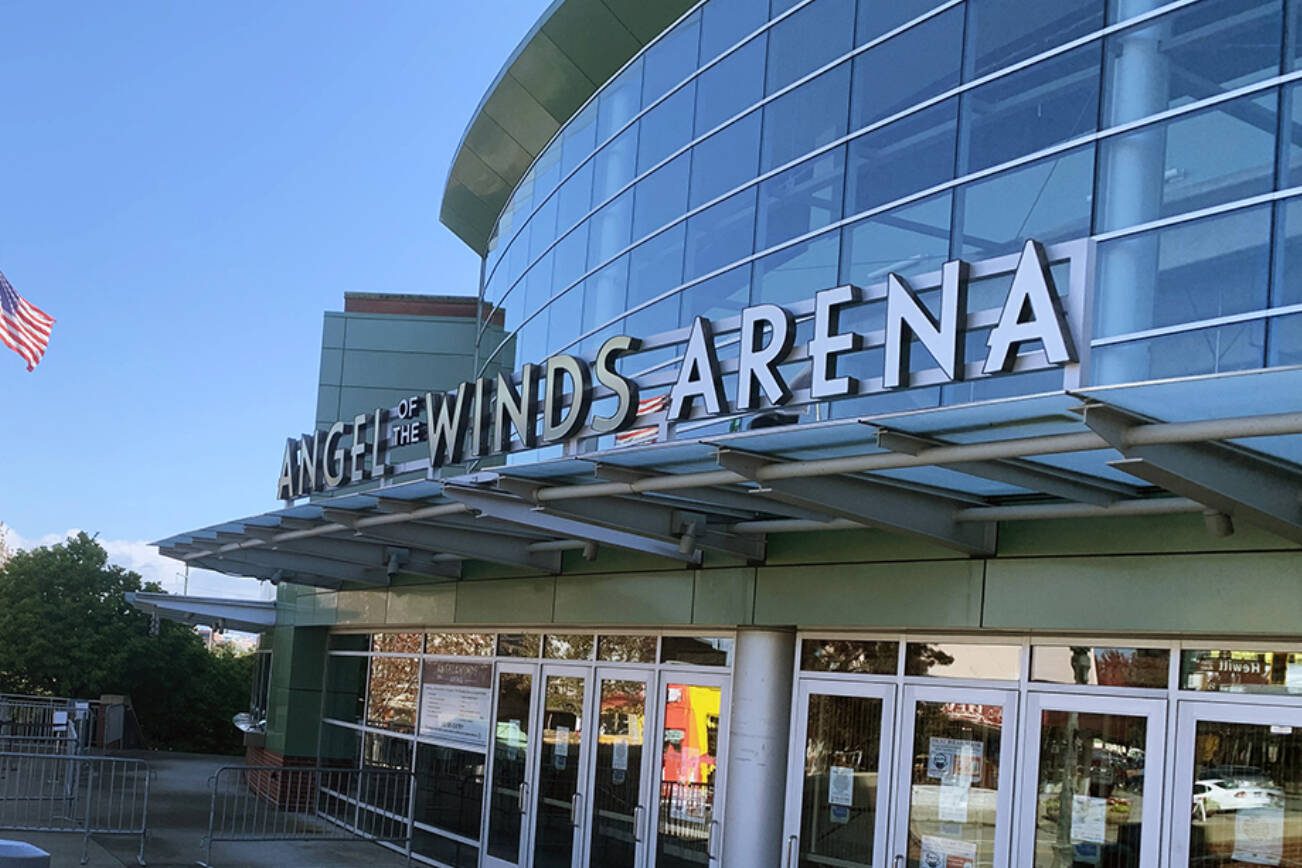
[{"x": 90, "y": 797}]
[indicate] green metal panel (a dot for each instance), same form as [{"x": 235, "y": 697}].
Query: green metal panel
[
  {"x": 361, "y": 607},
  {"x": 506, "y": 601},
  {"x": 849, "y": 546},
  {"x": 423, "y": 606},
  {"x": 332, "y": 363},
  {"x": 552, "y": 79},
  {"x": 573, "y": 26},
  {"x": 616, "y": 560},
  {"x": 409, "y": 371},
  {"x": 1221, "y": 593},
  {"x": 332, "y": 330},
  {"x": 643, "y": 599},
  {"x": 303, "y": 724},
  {"x": 1138, "y": 535},
  {"x": 519, "y": 114},
  {"x": 925, "y": 594},
  {"x": 454, "y": 335},
  {"x": 724, "y": 597}
]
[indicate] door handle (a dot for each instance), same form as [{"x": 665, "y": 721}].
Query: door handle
[
  {"x": 638, "y": 817},
  {"x": 897, "y": 861},
  {"x": 523, "y": 795},
  {"x": 709, "y": 841},
  {"x": 791, "y": 849},
  {"x": 575, "y": 801}
]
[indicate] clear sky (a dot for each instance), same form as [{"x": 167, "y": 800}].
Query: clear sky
[{"x": 186, "y": 187}]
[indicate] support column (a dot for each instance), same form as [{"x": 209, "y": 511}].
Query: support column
[{"x": 759, "y": 732}]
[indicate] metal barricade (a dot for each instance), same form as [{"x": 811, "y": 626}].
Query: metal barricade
[
  {"x": 85, "y": 795},
  {"x": 63, "y": 745},
  {"x": 280, "y": 803}
]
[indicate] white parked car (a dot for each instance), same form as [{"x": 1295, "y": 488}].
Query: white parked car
[{"x": 1222, "y": 794}]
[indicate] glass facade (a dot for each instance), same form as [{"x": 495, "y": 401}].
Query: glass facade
[{"x": 746, "y": 157}]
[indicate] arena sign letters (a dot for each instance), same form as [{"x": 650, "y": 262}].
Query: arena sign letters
[{"x": 502, "y": 414}]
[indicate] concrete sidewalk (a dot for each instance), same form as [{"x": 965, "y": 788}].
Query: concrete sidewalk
[{"x": 178, "y": 819}]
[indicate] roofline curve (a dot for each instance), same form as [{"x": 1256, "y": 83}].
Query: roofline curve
[{"x": 575, "y": 47}]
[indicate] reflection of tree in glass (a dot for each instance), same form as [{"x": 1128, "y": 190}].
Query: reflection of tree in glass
[
  {"x": 627, "y": 649},
  {"x": 840, "y": 655},
  {"x": 460, "y": 644},
  {"x": 569, "y": 647},
  {"x": 921, "y": 659},
  {"x": 397, "y": 643},
  {"x": 393, "y": 693}
]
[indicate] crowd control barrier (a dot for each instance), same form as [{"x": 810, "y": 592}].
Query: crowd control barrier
[
  {"x": 282, "y": 803},
  {"x": 82, "y": 795}
]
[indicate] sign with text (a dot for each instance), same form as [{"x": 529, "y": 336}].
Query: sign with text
[{"x": 456, "y": 703}]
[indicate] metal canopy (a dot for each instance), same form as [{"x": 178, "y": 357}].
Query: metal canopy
[
  {"x": 249, "y": 616},
  {"x": 1221, "y": 444}
]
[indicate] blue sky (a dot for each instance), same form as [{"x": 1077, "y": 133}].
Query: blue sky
[{"x": 186, "y": 187}]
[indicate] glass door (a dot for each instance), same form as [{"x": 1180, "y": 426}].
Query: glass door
[
  {"x": 619, "y": 787},
  {"x": 691, "y": 747},
  {"x": 1238, "y": 785},
  {"x": 561, "y": 768},
  {"x": 1091, "y": 783},
  {"x": 954, "y": 778},
  {"x": 509, "y": 803},
  {"x": 839, "y": 783}
]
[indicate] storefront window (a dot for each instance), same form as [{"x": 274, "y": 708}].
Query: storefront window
[
  {"x": 838, "y": 813},
  {"x": 392, "y": 699},
  {"x": 954, "y": 660},
  {"x": 345, "y": 688},
  {"x": 1225, "y": 671},
  {"x": 627, "y": 649},
  {"x": 1106, "y": 667},
  {"x": 519, "y": 644},
  {"x": 449, "y": 789},
  {"x": 696, "y": 650},
  {"x": 460, "y": 644},
  {"x": 349, "y": 642},
  {"x": 688, "y": 765},
  {"x": 397, "y": 643},
  {"x": 843, "y": 655},
  {"x": 576, "y": 646},
  {"x": 383, "y": 753}
]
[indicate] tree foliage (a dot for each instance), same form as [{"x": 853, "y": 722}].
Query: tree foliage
[{"x": 66, "y": 629}]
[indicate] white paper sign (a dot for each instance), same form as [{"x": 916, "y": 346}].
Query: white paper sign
[
  {"x": 562, "y": 741},
  {"x": 60, "y": 721},
  {"x": 953, "y": 799},
  {"x": 456, "y": 702},
  {"x": 514, "y": 739},
  {"x": 948, "y": 757},
  {"x": 619, "y": 757},
  {"x": 1259, "y": 835},
  {"x": 947, "y": 853},
  {"x": 1089, "y": 819},
  {"x": 840, "y": 786}
]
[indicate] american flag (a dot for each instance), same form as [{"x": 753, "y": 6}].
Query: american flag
[
  {"x": 645, "y": 407},
  {"x": 24, "y": 328}
]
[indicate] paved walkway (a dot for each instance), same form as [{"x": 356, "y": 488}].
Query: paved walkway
[{"x": 178, "y": 820}]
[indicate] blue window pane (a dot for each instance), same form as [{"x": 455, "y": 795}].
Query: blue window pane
[
  {"x": 1048, "y": 201},
  {"x": 655, "y": 319},
  {"x": 1291, "y": 156},
  {"x": 877, "y": 17},
  {"x": 615, "y": 165},
  {"x": 1043, "y": 105},
  {"x": 542, "y": 228},
  {"x": 547, "y": 170},
  {"x": 564, "y": 318},
  {"x": 909, "y": 155},
  {"x": 1184, "y": 273},
  {"x": 656, "y": 266},
  {"x": 620, "y": 100},
  {"x": 517, "y": 258},
  {"x": 1285, "y": 341},
  {"x": 671, "y": 59},
  {"x": 537, "y": 287},
  {"x": 910, "y": 240},
  {"x": 725, "y": 160},
  {"x": 604, "y": 295},
  {"x": 1188, "y": 55},
  {"x": 805, "y": 41},
  {"x": 724, "y": 23},
  {"x": 1288, "y": 254},
  {"x": 610, "y": 229},
  {"x": 720, "y": 234},
  {"x": 579, "y": 139},
  {"x": 777, "y": 7},
  {"x": 1236, "y": 347},
  {"x": 1002, "y": 32},
  {"x": 1218, "y": 155},
  {"x": 730, "y": 86},
  {"x": 796, "y": 273},
  {"x": 907, "y": 69},
  {"x": 570, "y": 258},
  {"x": 723, "y": 295},
  {"x": 805, "y": 119},
  {"x": 574, "y": 199},
  {"x": 801, "y": 199},
  {"x": 661, "y": 196},
  {"x": 531, "y": 340},
  {"x": 666, "y": 128}
]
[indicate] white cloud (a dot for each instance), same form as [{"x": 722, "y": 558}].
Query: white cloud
[{"x": 143, "y": 558}]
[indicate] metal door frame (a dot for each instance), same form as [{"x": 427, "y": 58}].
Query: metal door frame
[
  {"x": 641, "y": 824},
  {"x": 886, "y": 764},
  {"x": 1008, "y": 749},
  {"x": 524, "y": 857},
  {"x": 1028, "y": 781},
  {"x": 566, "y": 669}
]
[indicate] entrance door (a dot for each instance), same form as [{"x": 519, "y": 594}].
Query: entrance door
[
  {"x": 510, "y": 774},
  {"x": 839, "y": 784},
  {"x": 561, "y": 766},
  {"x": 691, "y": 753},
  {"x": 620, "y": 785},
  {"x": 1238, "y": 785},
  {"x": 954, "y": 778},
  {"x": 1091, "y": 783}
]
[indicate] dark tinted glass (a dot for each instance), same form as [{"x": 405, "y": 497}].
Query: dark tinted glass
[
  {"x": 1019, "y": 114},
  {"x": 1002, "y": 32},
  {"x": 904, "y": 157},
  {"x": 726, "y": 160},
  {"x": 349, "y": 642},
  {"x": 731, "y": 85},
  {"x": 847, "y": 655},
  {"x": 907, "y": 69},
  {"x": 449, "y": 789},
  {"x": 808, "y": 39},
  {"x": 699, "y": 651},
  {"x": 345, "y": 688},
  {"x": 807, "y": 118}
]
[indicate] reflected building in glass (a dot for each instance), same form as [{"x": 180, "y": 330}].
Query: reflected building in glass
[{"x": 881, "y": 448}]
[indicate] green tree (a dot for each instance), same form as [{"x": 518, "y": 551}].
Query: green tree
[{"x": 66, "y": 629}]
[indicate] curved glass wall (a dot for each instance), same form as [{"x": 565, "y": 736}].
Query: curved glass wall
[{"x": 753, "y": 155}]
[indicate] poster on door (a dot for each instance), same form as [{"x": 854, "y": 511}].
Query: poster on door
[
  {"x": 940, "y": 852},
  {"x": 455, "y": 703},
  {"x": 955, "y": 757},
  {"x": 1259, "y": 835}
]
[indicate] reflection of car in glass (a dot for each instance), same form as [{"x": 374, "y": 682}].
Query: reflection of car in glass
[{"x": 1222, "y": 794}]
